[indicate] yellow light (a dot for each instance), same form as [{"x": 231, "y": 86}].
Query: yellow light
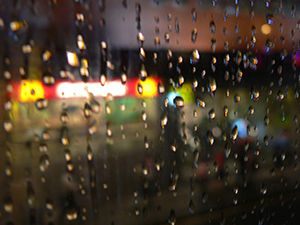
[
  {"x": 149, "y": 88},
  {"x": 30, "y": 91},
  {"x": 266, "y": 29}
]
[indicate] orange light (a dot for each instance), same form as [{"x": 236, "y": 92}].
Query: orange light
[{"x": 266, "y": 29}]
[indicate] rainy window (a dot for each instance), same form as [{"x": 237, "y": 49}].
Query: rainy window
[{"x": 139, "y": 112}]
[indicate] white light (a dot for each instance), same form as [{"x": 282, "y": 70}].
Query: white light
[{"x": 80, "y": 90}]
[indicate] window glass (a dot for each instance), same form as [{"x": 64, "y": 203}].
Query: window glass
[{"x": 149, "y": 112}]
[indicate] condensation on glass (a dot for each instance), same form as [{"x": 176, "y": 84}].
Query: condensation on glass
[{"x": 149, "y": 112}]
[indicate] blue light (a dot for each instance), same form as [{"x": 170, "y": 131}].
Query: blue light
[
  {"x": 242, "y": 127},
  {"x": 171, "y": 97}
]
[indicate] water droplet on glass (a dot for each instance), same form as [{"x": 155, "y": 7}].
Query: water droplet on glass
[
  {"x": 266, "y": 120},
  {"x": 140, "y": 89},
  {"x": 167, "y": 37},
  {"x": 48, "y": 79},
  {"x": 191, "y": 206},
  {"x": 140, "y": 39},
  {"x": 124, "y": 3},
  {"x": 234, "y": 133},
  {"x": 109, "y": 132},
  {"x": 180, "y": 80},
  {"x": 142, "y": 54},
  {"x": 8, "y": 169},
  {"x": 227, "y": 149},
  {"x": 42, "y": 103},
  {"x": 176, "y": 25},
  {"x": 237, "y": 98},
  {"x": 158, "y": 163},
  {"x": 156, "y": 41},
  {"x": 269, "y": 45},
  {"x": 163, "y": 121},
  {"x": 194, "y": 35},
  {"x": 266, "y": 140},
  {"x": 225, "y": 111},
  {"x": 143, "y": 73},
  {"x": 144, "y": 116},
  {"x": 213, "y": 44},
  {"x": 293, "y": 11},
  {"x": 169, "y": 55},
  {"x": 210, "y": 137},
  {"x": 251, "y": 110},
  {"x": 30, "y": 194},
  {"x": 236, "y": 190},
  {"x": 65, "y": 136},
  {"x": 237, "y": 10},
  {"x": 211, "y": 114},
  {"x": 49, "y": 204},
  {"x": 8, "y": 205},
  {"x": 212, "y": 86},
  {"x": 89, "y": 154},
  {"x": 160, "y": 89},
  {"x": 68, "y": 155},
  {"x": 44, "y": 163},
  {"x": 95, "y": 105},
  {"x": 196, "y": 158},
  {"x": 72, "y": 212},
  {"x": 137, "y": 8},
  {"x": 93, "y": 128},
  {"x": 87, "y": 110},
  {"x": 254, "y": 93},
  {"x": 157, "y": 30},
  {"x": 204, "y": 197},
  {"x": 280, "y": 95},
  {"x": 195, "y": 56},
  {"x": 212, "y": 27},
  {"x": 283, "y": 155},
  {"x": 244, "y": 215},
  {"x": 107, "y": 109},
  {"x": 43, "y": 148},
  {"x": 47, "y": 55},
  {"x": 123, "y": 78},
  {"x": 145, "y": 169},
  {"x": 174, "y": 180},
  {"x": 282, "y": 116},
  {"x": 8, "y": 105},
  {"x": 263, "y": 189},
  {"x": 64, "y": 118},
  {"x": 178, "y": 101},
  {"x": 172, "y": 218},
  {"x": 251, "y": 13},
  {"x": 194, "y": 15},
  {"x": 199, "y": 101},
  {"x": 102, "y": 79},
  {"x": 8, "y": 126},
  {"x": 71, "y": 57},
  {"x": 156, "y": 2}
]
